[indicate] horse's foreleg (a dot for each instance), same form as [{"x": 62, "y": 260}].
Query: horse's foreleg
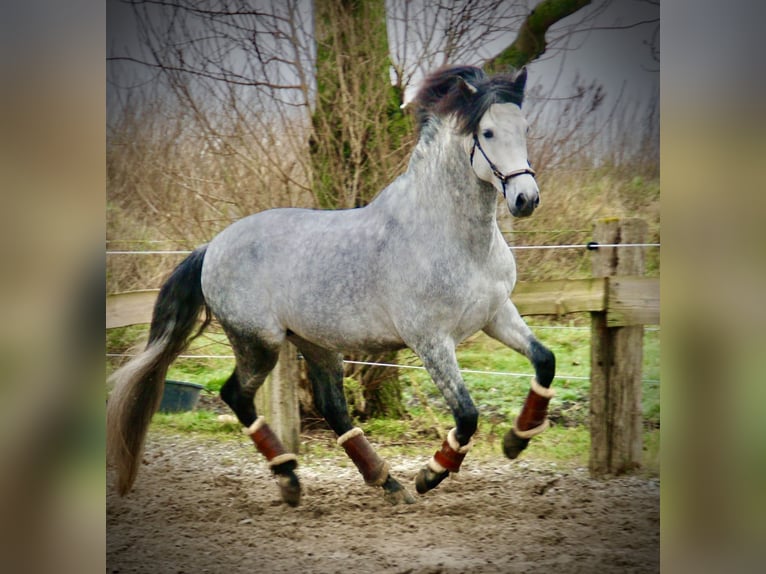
[
  {"x": 240, "y": 398},
  {"x": 508, "y": 327},
  {"x": 325, "y": 371},
  {"x": 532, "y": 420},
  {"x": 442, "y": 365}
]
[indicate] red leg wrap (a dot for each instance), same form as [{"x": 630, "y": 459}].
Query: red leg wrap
[
  {"x": 449, "y": 458},
  {"x": 451, "y": 454},
  {"x": 533, "y": 413},
  {"x": 373, "y": 468},
  {"x": 267, "y": 443}
]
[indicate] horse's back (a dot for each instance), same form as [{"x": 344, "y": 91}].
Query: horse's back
[{"x": 312, "y": 272}]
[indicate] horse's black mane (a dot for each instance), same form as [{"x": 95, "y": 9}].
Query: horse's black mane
[{"x": 446, "y": 91}]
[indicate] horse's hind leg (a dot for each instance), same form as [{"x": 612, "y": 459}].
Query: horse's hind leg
[
  {"x": 254, "y": 363},
  {"x": 508, "y": 327},
  {"x": 325, "y": 371}
]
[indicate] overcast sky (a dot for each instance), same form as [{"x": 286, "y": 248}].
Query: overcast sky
[{"x": 612, "y": 56}]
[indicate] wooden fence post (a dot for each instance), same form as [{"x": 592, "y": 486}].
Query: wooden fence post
[
  {"x": 277, "y": 399},
  {"x": 616, "y": 420}
]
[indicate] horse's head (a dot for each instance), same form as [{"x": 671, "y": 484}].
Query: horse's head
[
  {"x": 498, "y": 152},
  {"x": 488, "y": 112},
  {"x": 499, "y": 155}
]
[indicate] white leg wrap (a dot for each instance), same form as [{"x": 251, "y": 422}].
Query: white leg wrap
[
  {"x": 455, "y": 445},
  {"x": 259, "y": 422},
  {"x": 544, "y": 392},
  {"x": 531, "y": 432},
  {"x": 435, "y": 466},
  {"x": 282, "y": 458},
  {"x": 382, "y": 476}
]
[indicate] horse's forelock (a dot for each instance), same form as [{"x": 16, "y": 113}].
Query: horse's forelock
[{"x": 442, "y": 94}]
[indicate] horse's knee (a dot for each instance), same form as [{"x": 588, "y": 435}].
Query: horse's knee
[{"x": 544, "y": 362}]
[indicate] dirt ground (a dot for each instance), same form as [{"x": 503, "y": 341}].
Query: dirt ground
[{"x": 207, "y": 505}]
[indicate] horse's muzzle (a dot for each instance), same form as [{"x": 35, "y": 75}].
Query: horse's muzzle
[{"x": 523, "y": 204}]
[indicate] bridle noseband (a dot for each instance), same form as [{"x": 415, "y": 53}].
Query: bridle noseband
[{"x": 503, "y": 177}]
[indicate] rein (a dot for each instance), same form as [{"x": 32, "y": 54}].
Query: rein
[{"x": 503, "y": 177}]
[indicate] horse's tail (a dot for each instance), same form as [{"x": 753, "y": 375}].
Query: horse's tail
[{"x": 138, "y": 385}]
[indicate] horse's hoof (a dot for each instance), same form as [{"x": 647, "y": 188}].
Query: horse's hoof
[
  {"x": 399, "y": 497},
  {"x": 290, "y": 488},
  {"x": 513, "y": 445},
  {"x": 395, "y": 493},
  {"x": 428, "y": 479}
]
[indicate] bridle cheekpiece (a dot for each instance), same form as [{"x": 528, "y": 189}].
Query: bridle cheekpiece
[{"x": 503, "y": 177}]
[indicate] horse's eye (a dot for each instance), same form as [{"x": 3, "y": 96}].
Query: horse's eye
[{"x": 488, "y": 134}]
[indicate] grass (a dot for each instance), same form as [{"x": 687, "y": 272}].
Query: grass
[{"x": 197, "y": 421}]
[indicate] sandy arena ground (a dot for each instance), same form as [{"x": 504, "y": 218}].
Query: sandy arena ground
[{"x": 210, "y": 505}]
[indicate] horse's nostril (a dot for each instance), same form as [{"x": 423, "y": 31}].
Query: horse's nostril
[
  {"x": 521, "y": 201},
  {"x": 537, "y": 201}
]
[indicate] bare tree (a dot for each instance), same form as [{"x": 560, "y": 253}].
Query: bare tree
[
  {"x": 429, "y": 34},
  {"x": 360, "y": 135},
  {"x": 242, "y": 76}
]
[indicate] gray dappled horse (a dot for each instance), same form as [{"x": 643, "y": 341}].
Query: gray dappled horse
[{"x": 423, "y": 266}]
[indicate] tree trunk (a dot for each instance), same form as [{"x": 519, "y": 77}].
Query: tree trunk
[
  {"x": 381, "y": 389},
  {"x": 358, "y": 127}
]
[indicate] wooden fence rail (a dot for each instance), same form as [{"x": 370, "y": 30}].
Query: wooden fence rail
[{"x": 627, "y": 300}]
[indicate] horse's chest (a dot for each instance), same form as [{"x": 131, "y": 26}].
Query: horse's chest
[
  {"x": 478, "y": 305},
  {"x": 467, "y": 296},
  {"x": 489, "y": 280}
]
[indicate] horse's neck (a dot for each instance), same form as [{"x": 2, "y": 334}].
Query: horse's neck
[{"x": 442, "y": 187}]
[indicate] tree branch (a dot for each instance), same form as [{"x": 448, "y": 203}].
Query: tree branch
[
  {"x": 224, "y": 76},
  {"x": 530, "y": 42}
]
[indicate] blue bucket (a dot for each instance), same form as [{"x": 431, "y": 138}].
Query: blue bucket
[{"x": 180, "y": 396}]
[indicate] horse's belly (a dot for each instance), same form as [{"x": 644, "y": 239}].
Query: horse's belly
[{"x": 346, "y": 327}]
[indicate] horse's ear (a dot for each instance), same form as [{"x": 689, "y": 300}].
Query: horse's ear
[
  {"x": 467, "y": 88},
  {"x": 521, "y": 80}
]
